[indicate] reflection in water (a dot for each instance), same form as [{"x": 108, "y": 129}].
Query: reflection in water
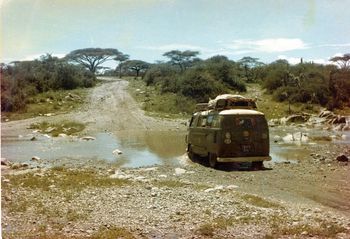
[
  {"x": 138, "y": 148},
  {"x": 166, "y": 144}
]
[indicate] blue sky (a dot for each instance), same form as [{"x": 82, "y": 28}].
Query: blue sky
[{"x": 267, "y": 29}]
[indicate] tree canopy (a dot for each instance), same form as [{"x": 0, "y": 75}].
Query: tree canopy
[
  {"x": 342, "y": 61},
  {"x": 183, "y": 59},
  {"x": 121, "y": 58},
  {"x": 136, "y": 66},
  {"x": 92, "y": 58}
]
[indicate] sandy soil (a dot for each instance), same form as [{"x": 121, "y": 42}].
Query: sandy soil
[{"x": 286, "y": 200}]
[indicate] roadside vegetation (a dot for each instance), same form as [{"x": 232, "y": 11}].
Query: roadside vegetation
[
  {"x": 177, "y": 85},
  {"x": 49, "y": 103},
  {"x": 174, "y": 86},
  {"x": 37, "y": 87}
]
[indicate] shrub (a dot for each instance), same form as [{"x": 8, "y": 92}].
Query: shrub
[{"x": 25, "y": 79}]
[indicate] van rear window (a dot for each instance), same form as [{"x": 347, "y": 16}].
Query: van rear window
[{"x": 246, "y": 123}]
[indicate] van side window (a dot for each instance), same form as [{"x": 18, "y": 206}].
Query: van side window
[
  {"x": 216, "y": 121},
  {"x": 210, "y": 120},
  {"x": 202, "y": 121},
  {"x": 194, "y": 121}
]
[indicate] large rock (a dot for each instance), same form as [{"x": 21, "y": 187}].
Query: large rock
[
  {"x": 339, "y": 120},
  {"x": 298, "y": 118},
  {"x": 326, "y": 114},
  {"x": 5, "y": 162}
]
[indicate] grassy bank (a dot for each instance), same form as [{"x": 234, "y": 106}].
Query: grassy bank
[
  {"x": 172, "y": 105},
  {"x": 154, "y": 103},
  {"x": 52, "y": 102}
]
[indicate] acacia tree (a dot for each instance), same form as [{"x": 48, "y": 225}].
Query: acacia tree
[
  {"x": 183, "y": 59},
  {"x": 342, "y": 61},
  {"x": 252, "y": 67},
  {"x": 137, "y": 66},
  {"x": 92, "y": 58},
  {"x": 121, "y": 58}
]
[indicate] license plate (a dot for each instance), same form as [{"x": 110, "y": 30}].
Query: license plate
[{"x": 246, "y": 148}]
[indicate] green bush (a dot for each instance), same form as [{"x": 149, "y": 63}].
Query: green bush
[
  {"x": 200, "y": 85},
  {"x": 25, "y": 79}
]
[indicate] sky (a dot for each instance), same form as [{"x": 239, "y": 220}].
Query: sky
[{"x": 314, "y": 30}]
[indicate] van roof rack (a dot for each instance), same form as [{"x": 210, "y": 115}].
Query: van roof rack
[{"x": 227, "y": 101}]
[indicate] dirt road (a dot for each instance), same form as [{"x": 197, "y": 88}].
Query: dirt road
[
  {"x": 287, "y": 200},
  {"x": 111, "y": 108}
]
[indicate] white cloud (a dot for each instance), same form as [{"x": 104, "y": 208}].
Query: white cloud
[
  {"x": 37, "y": 56},
  {"x": 296, "y": 60},
  {"x": 337, "y": 54},
  {"x": 268, "y": 45},
  {"x": 291, "y": 60}
]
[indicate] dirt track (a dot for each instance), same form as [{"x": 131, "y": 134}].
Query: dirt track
[
  {"x": 285, "y": 200},
  {"x": 111, "y": 108}
]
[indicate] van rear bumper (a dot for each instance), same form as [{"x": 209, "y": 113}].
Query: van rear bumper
[{"x": 243, "y": 159}]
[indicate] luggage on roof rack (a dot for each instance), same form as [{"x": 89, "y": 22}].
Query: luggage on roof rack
[{"x": 227, "y": 101}]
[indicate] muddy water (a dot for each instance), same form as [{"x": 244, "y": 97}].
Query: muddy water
[{"x": 140, "y": 148}]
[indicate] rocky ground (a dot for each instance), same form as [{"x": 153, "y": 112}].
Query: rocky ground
[{"x": 306, "y": 197}]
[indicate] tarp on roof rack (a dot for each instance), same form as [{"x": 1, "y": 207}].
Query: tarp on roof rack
[{"x": 229, "y": 101}]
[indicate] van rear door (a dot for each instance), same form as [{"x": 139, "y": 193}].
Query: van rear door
[{"x": 244, "y": 136}]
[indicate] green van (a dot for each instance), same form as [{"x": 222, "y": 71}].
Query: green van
[{"x": 233, "y": 134}]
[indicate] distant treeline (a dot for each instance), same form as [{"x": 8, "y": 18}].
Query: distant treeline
[
  {"x": 23, "y": 79},
  {"x": 188, "y": 76},
  {"x": 184, "y": 74}
]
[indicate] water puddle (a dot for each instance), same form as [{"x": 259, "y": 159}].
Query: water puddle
[{"x": 139, "y": 148}]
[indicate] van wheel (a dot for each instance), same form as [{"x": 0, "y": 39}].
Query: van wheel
[
  {"x": 212, "y": 160},
  {"x": 190, "y": 153},
  {"x": 257, "y": 165}
]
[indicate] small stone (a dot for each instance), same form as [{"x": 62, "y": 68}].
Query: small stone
[
  {"x": 232, "y": 187},
  {"x": 6, "y": 180},
  {"x": 35, "y": 158},
  {"x": 342, "y": 158},
  {"x": 33, "y": 138},
  {"x": 154, "y": 194},
  {"x": 88, "y": 138},
  {"x": 24, "y": 165},
  {"x": 179, "y": 171},
  {"x": 50, "y": 129},
  {"x": 117, "y": 152}
]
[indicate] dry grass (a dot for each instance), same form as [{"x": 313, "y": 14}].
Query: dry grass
[{"x": 259, "y": 202}]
